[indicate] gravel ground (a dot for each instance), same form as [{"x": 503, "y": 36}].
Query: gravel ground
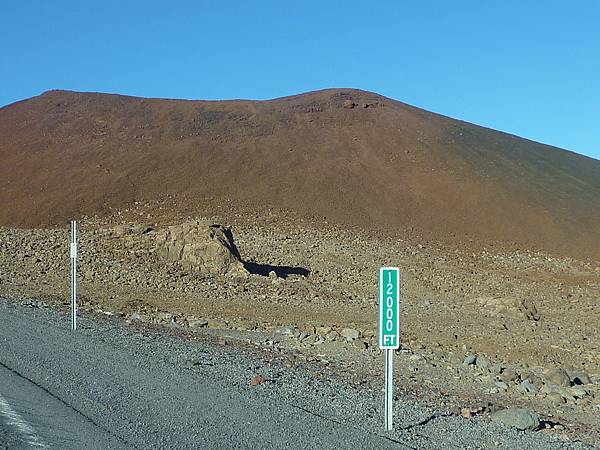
[
  {"x": 153, "y": 388},
  {"x": 521, "y": 313}
]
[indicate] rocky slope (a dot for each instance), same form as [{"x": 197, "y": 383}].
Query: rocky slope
[{"x": 345, "y": 156}]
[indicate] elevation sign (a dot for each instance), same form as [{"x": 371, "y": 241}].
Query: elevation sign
[{"x": 389, "y": 308}]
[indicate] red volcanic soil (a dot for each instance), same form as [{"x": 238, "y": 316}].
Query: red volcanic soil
[{"x": 352, "y": 157}]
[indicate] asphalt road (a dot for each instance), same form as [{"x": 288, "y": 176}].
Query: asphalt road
[{"x": 106, "y": 386}]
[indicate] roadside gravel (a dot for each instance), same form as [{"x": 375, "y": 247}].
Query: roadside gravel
[{"x": 154, "y": 389}]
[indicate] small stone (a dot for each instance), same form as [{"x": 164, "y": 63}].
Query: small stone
[
  {"x": 135, "y": 317},
  {"x": 197, "y": 323},
  {"x": 310, "y": 339},
  {"x": 521, "y": 419},
  {"x": 256, "y": 380},
  {"x": 507, "y": 375},
  {"x": 555, "y": 398},
  {"x": 496, "y": 369},
  {"x": 216, "y": 323},
  {"x": 323, "y": 331},
  {"x": 578, "y": 391},
  {"x": 360, "y": 344},
  {"x": 164, "y": 316},
  {"x": 501, "y": 385},
  {"x": 309, "y": 329},
  {"x": 272, "y": 274},
  {"x": 578, "y": 378},
  {"x": 535, "y": 380},
  {"x": 550, "y": 388},
  {"x": 465, "y": 412},
  {"x": 415, "y": 358},
  {"x": 333, "y": 336},
  {"x": 289, "y": 330},
  {"x": 303, "y": 336},
  {"x": 527, "y": 387},
  {"x": 557, "y": 376},
  {"x": 469, "y": 360},
  {"x": 350, "y": 334},
  {"x": 483, "y": 363}
]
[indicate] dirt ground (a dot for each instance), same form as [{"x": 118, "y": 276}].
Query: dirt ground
[{"x": 520, "y": 315}]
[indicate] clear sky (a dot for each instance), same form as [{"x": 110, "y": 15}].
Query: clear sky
[{"x": 527, "y": 67}]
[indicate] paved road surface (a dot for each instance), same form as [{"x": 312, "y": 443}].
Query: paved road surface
[{"x": 110, "y": 387}]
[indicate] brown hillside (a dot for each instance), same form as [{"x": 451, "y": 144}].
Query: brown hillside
[{"x": 351, "y": 156}]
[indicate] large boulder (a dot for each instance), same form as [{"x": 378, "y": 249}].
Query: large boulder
[{"x": 201, "y": 247}]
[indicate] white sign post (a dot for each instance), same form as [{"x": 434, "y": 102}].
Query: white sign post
[
  {"x": 389, "y": 330},
  {"x": 73, "y": 275}
]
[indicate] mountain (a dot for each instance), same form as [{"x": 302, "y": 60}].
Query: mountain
[{"x": 348, "y": 156}]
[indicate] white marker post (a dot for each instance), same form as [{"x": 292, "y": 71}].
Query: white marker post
[
  {"x": 389, "y": 330},
  {"x": 73, "y": 275}
]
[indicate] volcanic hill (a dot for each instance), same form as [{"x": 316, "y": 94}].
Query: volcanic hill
[{"x": 348, "y": 156}]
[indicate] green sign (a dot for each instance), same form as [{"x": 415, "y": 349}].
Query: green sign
[{"x": 389, "y": 308}]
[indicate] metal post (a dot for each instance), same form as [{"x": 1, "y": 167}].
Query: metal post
[
  {"x": 73, "y": 275},
  {"x": 389, "y": 375}
]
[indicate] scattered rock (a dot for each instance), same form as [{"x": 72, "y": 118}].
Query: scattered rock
[
  {"x": 197, "y": 323},
  {"x": 415, "y": 358},
  {"x": 521, "y": 419},
  {"x": 501, "y": 385},
  {"x": 323, "y": 331},
  {"x": 303, "y": 336},
  {"x": 350, "y": 334},
  {"x": 510, "y": 307},
  {"x": 469, "y": 360},
  {"x": 311, "y": 339},
  {"x": 35, "y": 303},
  {"x": 257, "y": 379},
  {"x": 349, "y": 104},
  {"x": 333, "y": 336},
  {"x": 550, "y": 388},
  {"x": 289, "y": 330},
  {"x": 578, "y": 378},
  {"x": 527, "y": 387},
  {"x": 578, "y": 392},
  {"x": 535, "y": 380},
  {"x": 360, "y": 344},
  {"x": 141, "y": 229},
  {"x": 557, "y": 376},
  {"x": 555, "y": 398},
  {"x": 483, "y": 363},
  {"x": 164, "y": 316},
  {"x": 216, "y": 323},
  {"x": 507, "y": 375}
]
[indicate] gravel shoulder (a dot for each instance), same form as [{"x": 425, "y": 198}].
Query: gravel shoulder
[{"x": 153, "y": 388}]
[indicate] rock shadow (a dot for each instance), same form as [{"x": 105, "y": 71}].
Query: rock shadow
[{"x": 281, "y": 271}]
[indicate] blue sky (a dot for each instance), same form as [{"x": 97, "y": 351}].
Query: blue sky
[{"x": 529, "y": 67}]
